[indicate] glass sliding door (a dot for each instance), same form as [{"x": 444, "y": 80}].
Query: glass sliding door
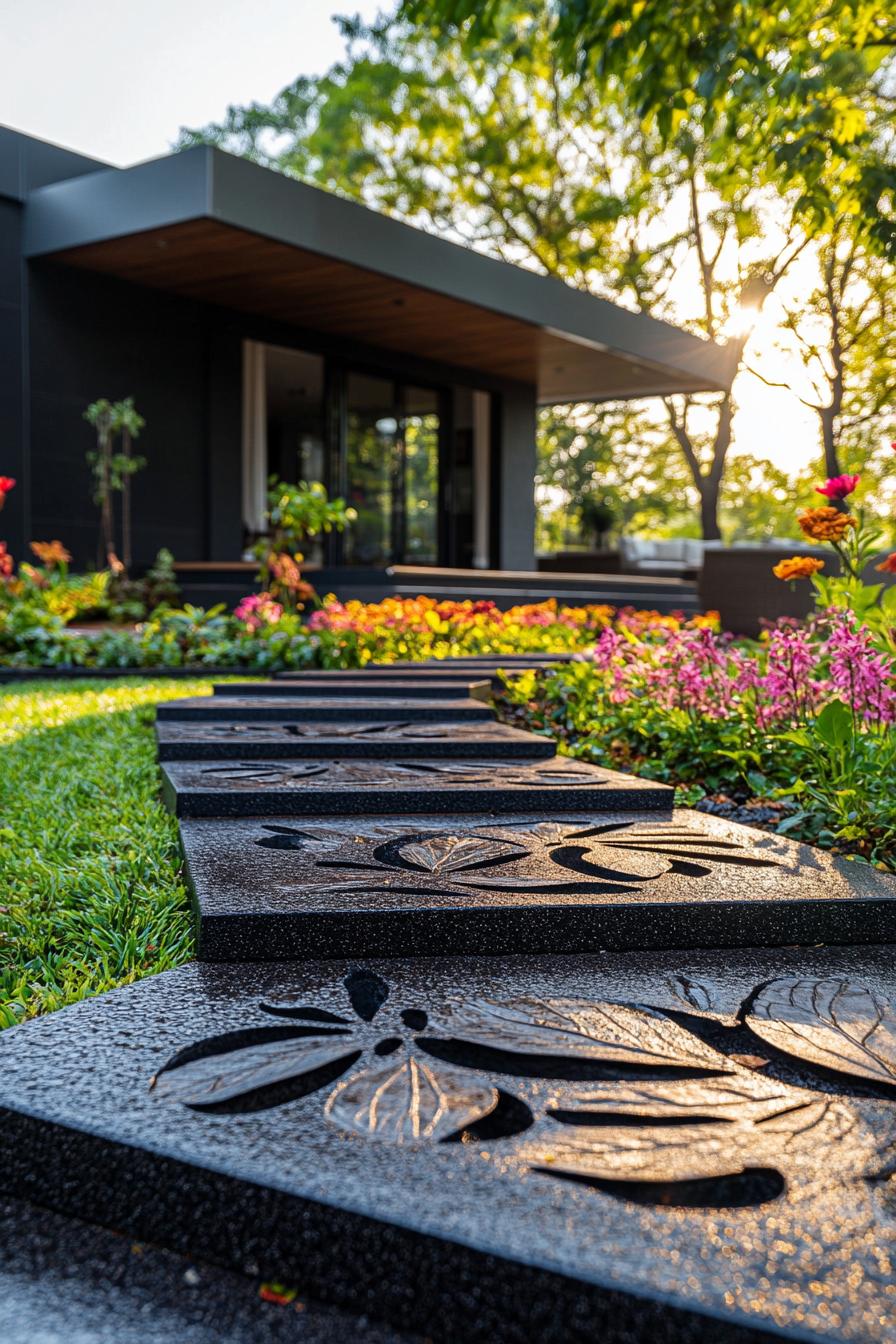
[
  {"x": 419, "y": 433},
  {"x": 392, "y": 437},
  {"x": 371, "y": 469}
]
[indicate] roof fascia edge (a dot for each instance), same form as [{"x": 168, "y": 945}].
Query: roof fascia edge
[
  {"x": 116, "y": 202},
  {"x": 250, "y": 197},
  {"x": 203, "y": 182}
]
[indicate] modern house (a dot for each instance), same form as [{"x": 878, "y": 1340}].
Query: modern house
[{"x": 263, "y": 326}]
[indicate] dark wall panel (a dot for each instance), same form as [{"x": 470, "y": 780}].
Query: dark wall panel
[
  {"x": 93, "y": 337},
  {"x": 13, "y": 430}
]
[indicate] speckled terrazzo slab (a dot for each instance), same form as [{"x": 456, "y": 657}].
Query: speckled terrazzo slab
[
  {"x": 333, "y": 709},
  {"x": 671, "y": 1147},
  {"x": 352, "y": 788},
  {"x": 293, "y": 741},
  {"x": 424, "y": 687},
  {"x": 284, "y": 887}
]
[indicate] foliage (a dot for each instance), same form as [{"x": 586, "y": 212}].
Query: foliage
[
  {"x": 757, "y": 500},
  {"x": 295, "y": 513},
  {"x": 49, "y": 587},
  {"x": 497, "y": 144},
  {"x": 112, "y": 470},
  {"x": 617, "y": 453},
  {"x": 598, "y": 515},
  {"x": 856, "y": 543},
  {"x": 684, "y": 704},
  {"x": 133, "y": 599},
  {"x": 89, "y": 866},
  {"x": 842, "y": 333},
  {"x": 798, "y": 94}
]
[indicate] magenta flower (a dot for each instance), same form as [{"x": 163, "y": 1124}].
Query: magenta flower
[
  {"x": 838, "y": 487},
  {"x": 258, "y": 609}
]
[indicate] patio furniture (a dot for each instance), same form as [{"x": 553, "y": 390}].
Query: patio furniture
[{"x": 677, "y": 557}]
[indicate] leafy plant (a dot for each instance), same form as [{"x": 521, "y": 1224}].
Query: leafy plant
[
  {"x": 133, "y": 599},
  {"x": 295, "y": 513},
  {"x": 598, "y": 516},
  {"x": 112, "y": 470}
]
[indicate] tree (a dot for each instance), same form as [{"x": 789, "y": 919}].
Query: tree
[
  {"x": 498, "y": 145},
  {"x": 801, "y": 93},
  {"x": 617, "y": 452},
  {"x": 112, "y": 472},
  {"x": 843, "y": 333}
]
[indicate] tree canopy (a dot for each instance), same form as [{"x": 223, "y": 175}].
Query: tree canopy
[
  {"x": 803, "y": 93},
  {"x": 505, "y": 137}
]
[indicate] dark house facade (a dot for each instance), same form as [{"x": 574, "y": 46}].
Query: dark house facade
[{"x": 263, "y": 325}]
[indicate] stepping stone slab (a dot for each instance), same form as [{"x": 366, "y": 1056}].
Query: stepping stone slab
[
  {"x": 638, "y": 1163},
  {"x": 352, "y": 788},
  {"x": 486, "y": 661},
  {"x": 460, "y": 688},
  {"x": 304, "y": 709},
  {"x": 63, "y": 1281},
  {"x": 293, "y": 741},
  {"x": 425, "y": 885}
]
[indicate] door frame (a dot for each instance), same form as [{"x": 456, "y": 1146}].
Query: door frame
[{"x": 337, "y": 372}]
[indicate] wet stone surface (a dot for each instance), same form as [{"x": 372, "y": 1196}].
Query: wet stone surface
[
  {"x": 349, "y": 788},
  {"x": 464, "y": 686},
  {"x": 430, "y": 885},
  {"x": 691, "y": 1146},
  {"x": 297, "y": 709},
  {"x": 293, "y": 741}
]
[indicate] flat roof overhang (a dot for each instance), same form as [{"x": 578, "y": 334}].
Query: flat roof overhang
[{"x": 222, "y": 230}]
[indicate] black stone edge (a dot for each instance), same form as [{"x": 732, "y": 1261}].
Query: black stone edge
[
  {"x": 328, "y": 802},
  {"x": 532, "y": 748},
  {"x": 445, "y": 1289},
  {"x": 406, "y": 687},
  {"x": 13, "y": 674},
  {"x": 536, "y": 930},
  {"x": 329, "y": 711}
]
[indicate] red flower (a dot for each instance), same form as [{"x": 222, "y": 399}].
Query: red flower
[
  {"x": 838, "y": 487},
  {"x": 6, "y": 484},
  {"x": 887, "y": 566}
]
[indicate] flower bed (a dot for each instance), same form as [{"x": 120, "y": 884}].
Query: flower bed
[
  {"x": 796, "y": 731},
  {"x": 261, "y": 636}
]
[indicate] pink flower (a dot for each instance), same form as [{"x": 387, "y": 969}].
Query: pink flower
[
  {"x": 838, "y": 487},
  {"x": 258, "y": 609},
  {"x": 859, "y": 673}
]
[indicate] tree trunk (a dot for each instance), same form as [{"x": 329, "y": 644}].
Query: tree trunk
[
  {"x": 826, "y": 416},
  {"x": 106, "y": 505},
  {"x": 126, "y": 502},
  {"x": 709, "y": 509}
]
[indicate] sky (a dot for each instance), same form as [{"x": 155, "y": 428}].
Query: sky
[
  {"x": 118, "y": 78},
  {"x": 117, "y": 81}
]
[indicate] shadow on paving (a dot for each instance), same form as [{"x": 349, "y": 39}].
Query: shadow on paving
[{"x": 67, "y": 1282}]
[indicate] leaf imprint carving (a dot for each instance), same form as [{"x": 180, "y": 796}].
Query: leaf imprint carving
[
  {"x": 833, "y": 1022},
  {"x": 408, "y": 1100},
  {"x": 618, "y": 1033}
]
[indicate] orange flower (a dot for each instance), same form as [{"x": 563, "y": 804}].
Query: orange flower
[
  {"x": 797, "y": 567},
  {"x": 887, "y": 566},
  {"x": 50, "y": 552},
  {"x": 825, "y": 524}
]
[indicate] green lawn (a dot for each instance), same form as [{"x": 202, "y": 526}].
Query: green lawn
[{"x": 91, "y": 894}]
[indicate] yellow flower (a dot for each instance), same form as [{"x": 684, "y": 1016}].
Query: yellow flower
[
  {"x": 798, "y": 567},
  {"x": 825, "y": 524}
]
